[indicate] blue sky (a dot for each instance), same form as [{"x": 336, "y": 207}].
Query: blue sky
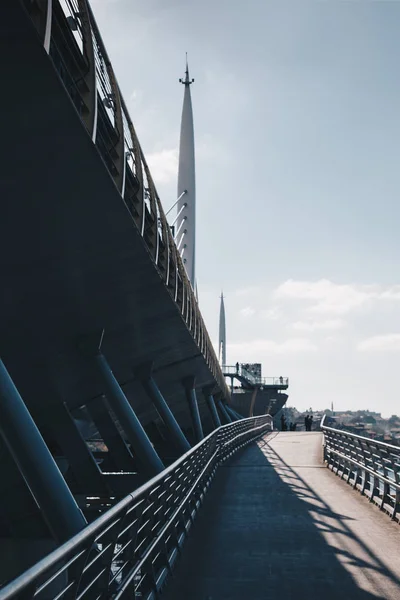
[{"x": 296, "y": 107}]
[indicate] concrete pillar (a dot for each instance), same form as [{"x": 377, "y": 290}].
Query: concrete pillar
[
  {"x": 36, "y": 463},
  {"x": 194, "y": 408},
  {"x": 213, "y": 410},
  {"x": 224, "y": 412},
  {"x": 137, "y": 436},
  {"x": 175, "y": 433}
]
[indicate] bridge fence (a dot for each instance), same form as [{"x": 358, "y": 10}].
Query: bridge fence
[
  {"x": 370, "y": 466},
  {"x": 129, "y": 550}
]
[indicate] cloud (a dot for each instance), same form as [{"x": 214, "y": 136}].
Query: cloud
[
  {"x": 329, "y": 324},
  {"x": 212, "y": 149},
  {"x": 247, "y": 291},
  {"x": 272, "y": 314},
  {"x": 329, "y": 297},
  {"x": 248, "y": 311},
  {"x": 163, "y": 165},
  {"x": 258, "y": 347},
  {"x": 136, "y": 96},
  {"x": 381, "y": 343}
]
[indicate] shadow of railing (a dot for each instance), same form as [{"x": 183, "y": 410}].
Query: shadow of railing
[{"x": 265, "y": 533}]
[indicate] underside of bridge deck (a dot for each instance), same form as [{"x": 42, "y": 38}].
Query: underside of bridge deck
[{"x": 278, "y": 524}]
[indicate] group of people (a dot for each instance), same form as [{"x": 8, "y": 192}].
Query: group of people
[
  {"x": 284, "y": 425},
  {"x": 308, "y": 421}
]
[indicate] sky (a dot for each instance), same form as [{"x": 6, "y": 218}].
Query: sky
[{"x": 297, "y": 126}]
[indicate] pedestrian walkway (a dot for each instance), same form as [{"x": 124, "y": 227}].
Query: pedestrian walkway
[{"x": 277, "y": 524}]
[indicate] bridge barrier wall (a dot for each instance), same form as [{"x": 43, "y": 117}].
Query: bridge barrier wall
[
  {"x": 129, "y": 550},
  {"x": 370, "y": 466}
]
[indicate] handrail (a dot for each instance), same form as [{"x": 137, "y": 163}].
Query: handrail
[
  {"x": 371, "y": 466},
  {"x": 127, "y": 165},
  {"x": 360, "y": 437},
  {"x": 134, "y": 545},
  {"x": 241, "y": 371}
]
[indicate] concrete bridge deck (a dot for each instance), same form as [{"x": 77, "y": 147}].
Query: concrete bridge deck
[{"x": 278, "y": 524}]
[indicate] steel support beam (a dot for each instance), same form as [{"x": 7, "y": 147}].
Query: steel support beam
[
  {"x": 36, "y": 463},
  {"x": 235, "y": 412},
  {"x": 137, "y": 436},
  {"x": 194, "y": 407},
  {"x": 212, "y": 408},
  {"x": 224, "y": 412},
  {"x": 231, "y": 413},
  {"x": 175, "y": 433},
  {"x": 120, "y": 454}
]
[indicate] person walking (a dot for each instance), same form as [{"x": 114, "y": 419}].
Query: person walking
[{"x": 283, "y": 423}]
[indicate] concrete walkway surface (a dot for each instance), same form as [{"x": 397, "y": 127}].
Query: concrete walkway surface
[{"x": 278, "y": 525}]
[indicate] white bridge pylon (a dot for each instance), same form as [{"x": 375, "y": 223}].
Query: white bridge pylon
[{"x": 185, "y": 220}]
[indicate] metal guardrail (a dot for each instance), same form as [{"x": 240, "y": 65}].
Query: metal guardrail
[
  {"x": 129, "y": 550},
  {"x": 243, "y": 372},
  {"x": 72, "y": 39},
  {"x": 274, "y": 381},
  {"x": 370, "y": 466}
]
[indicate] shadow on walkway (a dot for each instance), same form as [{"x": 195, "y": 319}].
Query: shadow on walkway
[{"x": 257, "y": 537}]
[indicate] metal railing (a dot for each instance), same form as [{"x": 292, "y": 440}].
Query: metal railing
[
  {"x": 370, "y": 466},
  {"x": 82, "y": 62},
  {"x": 278, "y": 381},
  {"x": 129, "y": 550},
  {"x": 253, "y": 379}
]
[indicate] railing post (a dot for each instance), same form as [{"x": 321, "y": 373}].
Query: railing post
[
  {"x": 395, "y": 467},
  {"x": 175, "y": 432},
  {"x": 356, "y": 476},
  {"x": 372, "y": 480},
  {"x": 194, "y": 407},
  {"x": 384, "y": 495},
  {"x": 364, "y": 482},
  {"x": 396, "y": 504},
  {"x": 36, "y": 463},
  {"x": 137, "y": 436},
  {"x": 364, "y": 472}
]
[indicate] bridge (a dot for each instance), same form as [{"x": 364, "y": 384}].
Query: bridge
[
  {"x": 276, "y": 523},
  {"x": 116, "y": 423}
]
